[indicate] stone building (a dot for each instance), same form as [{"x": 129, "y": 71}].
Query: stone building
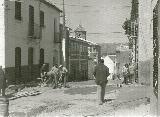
[
  {"x": 77, "y": 55},
  {"x": 31, "y": 38}
]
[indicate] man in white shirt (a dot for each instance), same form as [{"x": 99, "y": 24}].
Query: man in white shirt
[{"x": 63, "y": 74}]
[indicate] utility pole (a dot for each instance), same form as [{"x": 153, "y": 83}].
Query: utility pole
[{"x": 64, "y": 37}]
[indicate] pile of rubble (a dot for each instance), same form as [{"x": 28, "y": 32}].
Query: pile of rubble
[
  {"x": 25, "y": 94},
  {"x": 18, "y": 91}
]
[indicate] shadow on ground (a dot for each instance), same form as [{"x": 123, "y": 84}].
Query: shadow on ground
[{"x": 87, "y": 90}]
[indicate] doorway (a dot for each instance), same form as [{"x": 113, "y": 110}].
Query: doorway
[{"x": 17, "y": 65}]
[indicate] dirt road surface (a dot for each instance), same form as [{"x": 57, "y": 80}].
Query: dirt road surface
[{"x": 81, "y": 100}]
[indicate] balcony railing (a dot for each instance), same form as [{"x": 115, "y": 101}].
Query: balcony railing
[{"x": 34, "y": 31}]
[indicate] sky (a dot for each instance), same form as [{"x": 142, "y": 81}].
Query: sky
[{"x": 102, "y": 19}]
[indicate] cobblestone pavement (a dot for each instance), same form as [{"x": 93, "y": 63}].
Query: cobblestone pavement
[{"x": 81, "y": 100}]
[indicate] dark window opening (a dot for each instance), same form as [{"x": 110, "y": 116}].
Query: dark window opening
[
  {"x": 18, "y": 10},
  {"x": 31, "y": 20},
  {"x": 41, "y": 18}
]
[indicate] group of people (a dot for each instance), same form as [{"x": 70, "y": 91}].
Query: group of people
[
  {"x": 57, "y": 75},
  {"x": 128, "y": 73}
]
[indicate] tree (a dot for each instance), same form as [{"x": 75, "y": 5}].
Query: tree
[{"x": 127, "y": 26}]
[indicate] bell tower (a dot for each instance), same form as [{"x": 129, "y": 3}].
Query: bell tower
[{"x": 80, "y": 32}]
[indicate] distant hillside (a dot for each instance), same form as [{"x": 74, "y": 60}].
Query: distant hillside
[{"x": 109, "y": 48}]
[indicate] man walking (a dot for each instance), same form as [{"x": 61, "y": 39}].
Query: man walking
[
  {"x": 101, "y": 72},
  {"x": 131, "y": 73}
]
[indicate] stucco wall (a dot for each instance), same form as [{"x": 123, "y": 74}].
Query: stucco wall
[{"x": 17, "y": 32}]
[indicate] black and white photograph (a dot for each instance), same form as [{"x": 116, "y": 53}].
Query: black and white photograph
[{"x": 79, "y": 58}]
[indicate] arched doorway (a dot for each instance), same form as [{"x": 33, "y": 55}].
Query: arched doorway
[
  {"x": 17, "y": 65},
  {"x": 41, "y": 61},
  {"x": 30, "y": 63}
]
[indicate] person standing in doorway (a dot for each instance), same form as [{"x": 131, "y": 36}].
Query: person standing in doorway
[
  {"x": 63, "y": 75},
  {"x": 101, "y": 72}
]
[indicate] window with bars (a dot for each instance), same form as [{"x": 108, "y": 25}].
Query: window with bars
[
  {"x": 41, "y": 18},
  {"x": 18, "y": 10}
]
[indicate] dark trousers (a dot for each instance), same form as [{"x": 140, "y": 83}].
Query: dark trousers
[
  {"x": 64, "y": 79},
  {"x": 101, "y": 92}
]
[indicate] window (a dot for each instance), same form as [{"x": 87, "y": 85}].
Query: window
[
  {"x": 31, "y": 20},
  {"x": 18, "y": 10},
  {"x": 41, "y": 18}
]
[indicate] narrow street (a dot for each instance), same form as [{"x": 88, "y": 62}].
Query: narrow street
[
  {"x": 81, "y": 100},
  {"x": 53, "y": 51}
]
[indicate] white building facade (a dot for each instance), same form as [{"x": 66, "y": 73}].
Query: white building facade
[{"x": 32, "y": 37}]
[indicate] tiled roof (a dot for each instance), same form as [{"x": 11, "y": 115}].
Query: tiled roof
[{"x": 50, "y": 3}]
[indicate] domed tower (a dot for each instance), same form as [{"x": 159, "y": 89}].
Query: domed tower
[{"x": 80, "y": 32}]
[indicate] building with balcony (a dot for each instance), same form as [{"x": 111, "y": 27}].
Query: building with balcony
[
  {"x": 80, "y": 55},
  {"x": 32, "y": 37}
]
